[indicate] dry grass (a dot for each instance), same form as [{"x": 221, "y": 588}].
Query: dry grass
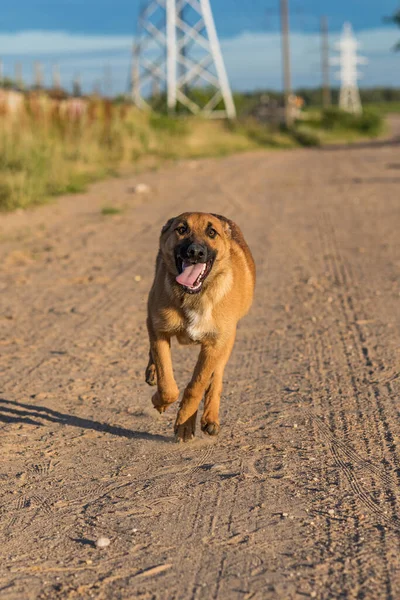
[
  {"x": 50, "y": 148},
  {"x": 44, "y": 152}
]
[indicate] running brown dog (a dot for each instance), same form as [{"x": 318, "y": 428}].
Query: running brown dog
[{"x": 203, "y": 285}]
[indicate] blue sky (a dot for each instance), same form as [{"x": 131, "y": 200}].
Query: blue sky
[
  {"x": 232, "y": 16},
  {"x": 83, "y": 36}
]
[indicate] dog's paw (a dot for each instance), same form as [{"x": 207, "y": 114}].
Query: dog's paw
[
  {"x": 211, "y": 428},
  {"x": 161, "y": 403},
  {"x": 150, "y": 375},
  {"x": 184, "y": 432}
]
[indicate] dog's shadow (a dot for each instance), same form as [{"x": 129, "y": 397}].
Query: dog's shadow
[{"x": 32, "y": 414}]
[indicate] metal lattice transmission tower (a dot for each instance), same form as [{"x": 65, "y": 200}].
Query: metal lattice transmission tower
[
  {"x": 177, "y": 56},
  {"x": 349, "y": 99}
]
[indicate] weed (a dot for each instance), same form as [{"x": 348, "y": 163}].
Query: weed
[
  {"x": 305, "y": 136},
  {"x": 369, "y": 122},
  {"x": 110, "y": 210},
  {"x": 167, "y": 124}
]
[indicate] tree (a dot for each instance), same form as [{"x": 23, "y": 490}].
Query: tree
[{"x": 395, "y": 18}]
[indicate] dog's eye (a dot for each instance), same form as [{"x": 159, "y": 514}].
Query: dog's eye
[
  {"x": 182, "y": 229},
  {"x": 212, "y": 233}
]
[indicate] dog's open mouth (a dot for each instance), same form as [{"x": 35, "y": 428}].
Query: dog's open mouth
[{"x": 192, "y": 275}]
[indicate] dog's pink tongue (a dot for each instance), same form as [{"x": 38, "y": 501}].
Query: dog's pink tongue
[{"x": 189, "y": 274}]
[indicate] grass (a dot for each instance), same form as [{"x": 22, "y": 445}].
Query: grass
[
  {"x": 383, "y": 108},
  {"x": 44, "y": 154},
  {"x": 334, "y": 125},
  {"x": 111, "y": 210}
]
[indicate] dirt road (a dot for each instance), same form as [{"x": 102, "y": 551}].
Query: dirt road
[{"x": 299, "y": 496}]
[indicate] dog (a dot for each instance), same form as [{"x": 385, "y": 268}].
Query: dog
[{"x": 204, "y": 284}]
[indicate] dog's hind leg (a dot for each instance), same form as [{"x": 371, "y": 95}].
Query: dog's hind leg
[
  {"x": 150, "y": 374},
  {"x": 186, "y": 431},
  {"x": 210, "y": 418}
]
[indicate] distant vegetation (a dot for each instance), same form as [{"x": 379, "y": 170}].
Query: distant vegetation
[
  {"x": 333, "y": 124},
  {"x": 368, "y": 123},
  {"x": 395, "y": 18},
  {"x": 385, "y": 98},
  {"x": 52, "y": 145},
  {"x": 382, "y": 98}
]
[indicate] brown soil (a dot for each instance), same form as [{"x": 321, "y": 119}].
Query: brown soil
[{"x": 298, "y": 497}]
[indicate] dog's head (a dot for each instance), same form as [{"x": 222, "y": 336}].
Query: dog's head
[{"x": 194, "y": 247}]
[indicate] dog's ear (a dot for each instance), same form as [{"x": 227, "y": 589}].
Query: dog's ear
[
  {"x": 167, "y": 225},
  {"x": 226, "y": 223}
]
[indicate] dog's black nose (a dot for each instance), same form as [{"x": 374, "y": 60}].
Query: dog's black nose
[{"x": 196, "y": 252}]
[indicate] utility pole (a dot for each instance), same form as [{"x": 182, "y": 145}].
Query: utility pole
[
  {"x": 287, "y": 85},
  {"x": 326, "y": 88}
]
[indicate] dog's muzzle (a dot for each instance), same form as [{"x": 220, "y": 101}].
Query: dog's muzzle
[{"x": 194, "y": 262}]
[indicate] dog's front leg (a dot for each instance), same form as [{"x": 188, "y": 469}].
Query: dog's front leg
[
  {"x": 212, "y": 360},
  {"x": 167, "y": 390}
]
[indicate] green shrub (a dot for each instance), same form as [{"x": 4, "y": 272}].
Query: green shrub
[
  {"x": 305, "y": 137},
  {"x": 368, "y": 122},
  {"x": 262, "y": 134}
]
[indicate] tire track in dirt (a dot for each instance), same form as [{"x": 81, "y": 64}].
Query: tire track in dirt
[
  {"x": 352, "y": 318},
  {"x": 382, "y": 486},
  {"x": 31, "y": 513},
  {"x": 386, "y": 495},
  {"x": 346, "y": 458}
]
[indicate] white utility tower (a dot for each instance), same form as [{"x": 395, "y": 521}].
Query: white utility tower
[
  {"x": 349, "y": 99},
  {"x": 177, "y": 55}
]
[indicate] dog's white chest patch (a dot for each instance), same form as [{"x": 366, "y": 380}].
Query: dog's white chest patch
[{"x": 199, "y": 323}]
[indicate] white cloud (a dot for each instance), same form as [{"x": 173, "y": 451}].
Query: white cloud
[
  {"x": 253, "y": 60},
  {"x": 30, "y": 43}
]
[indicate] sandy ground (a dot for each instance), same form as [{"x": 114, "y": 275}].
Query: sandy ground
[{"x": 299, "y": 496}]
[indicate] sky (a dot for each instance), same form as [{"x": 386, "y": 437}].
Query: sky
[{"x": 86, "y": 37}]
